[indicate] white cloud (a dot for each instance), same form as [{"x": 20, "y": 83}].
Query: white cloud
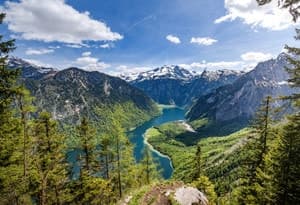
[
  {"x": 233, "y": 65},
  {"x": 74, "y": 45},
  {"x": 54, "y": 20},
  {"x": 85, "y": 54},
  {"x": 256, "y": 56},
  {"x": 125, "y": 69},
  {"x": 132, "y": 69},
  {"x": 206, "y": 41},
  {"x": 39, "y": 63},
  {"x": 54, "y": 47},
  {"x": 247, "y": 62},
  {"x": 173, "y": 39},
  {"x": 89, "y": 63},
  {"x": 106, "y": 45},
  {"x": 268, "y": 16},
  {"x": 38, "y": 51}
]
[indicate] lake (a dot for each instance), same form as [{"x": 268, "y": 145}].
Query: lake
[{"x": 137, "y": 138}]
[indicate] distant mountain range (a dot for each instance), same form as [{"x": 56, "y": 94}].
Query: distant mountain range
[
  {"x": 226, "y": 99},
  {"x": 178, "y": 86},
  {"x": 233, "y": 106},
  {"x": 71, "y": 93}
]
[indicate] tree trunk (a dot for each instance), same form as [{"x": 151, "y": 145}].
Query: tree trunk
[{"x": 119, "y": 168}]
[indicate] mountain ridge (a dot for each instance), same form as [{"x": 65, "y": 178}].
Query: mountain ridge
[
  {"x": 237, "y": 103},
  {"x": 70, "y": 93}
]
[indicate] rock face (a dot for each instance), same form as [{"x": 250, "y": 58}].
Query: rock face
[
  {"x": 69, "y": 93},
  {"x": 190, "y": 196},
  {"x": 238, "y": 102},
  {"x": 178, "y": 86}
]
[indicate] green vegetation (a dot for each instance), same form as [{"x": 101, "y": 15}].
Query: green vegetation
[
  {"x": 134, "y": 115},
  {"x": 256, "y": 165},
  {"x": 33, "y": 167},
  {"x": 222, "y": 156},
  {"x": 196, "y": 124}
]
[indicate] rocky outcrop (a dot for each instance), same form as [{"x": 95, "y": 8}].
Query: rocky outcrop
[
  {"x": 168, "y": 194},
  {"x": 190, "y": 196}
]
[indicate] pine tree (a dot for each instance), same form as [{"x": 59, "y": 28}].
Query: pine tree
[
  {"x": 124, "y": 172},
  {"x": 12, "y": 189},
  {"x": 8, "y": 90},
  {"x": 204, "y": 185},
  {"x": 148, "y": 168},
  {"x": 97, "y": 191},
  {"x": 198, "y": 163},
  {"x": 200, "y": 181},
  {"x": 50, "y": 175},
  {"x": 87, "y": 146},
  {"x": 25, "y": 108},
  {"x": 284, "y": 158},
  {"x": 106, "y": 154},
  {"x": 254, "y": 167}
]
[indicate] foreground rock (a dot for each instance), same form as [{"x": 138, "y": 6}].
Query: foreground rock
[{"x": 168, "y": 194}]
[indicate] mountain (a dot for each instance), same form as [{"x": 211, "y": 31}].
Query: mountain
[
  {"x": 165, "y": 72},
  {"x": 29, "y": 70},
  {"x": 234, "y": 105},
  {"x": 70, "y": 93},
  {"x": 176, "y": 85}
]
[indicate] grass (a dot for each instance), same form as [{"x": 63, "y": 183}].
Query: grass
[
  {"x": 138, "y": 195},
  {"x": 196, "y": 124}
]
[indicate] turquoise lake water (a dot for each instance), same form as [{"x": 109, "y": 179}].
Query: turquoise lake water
[{"x": 137, "y": 138}]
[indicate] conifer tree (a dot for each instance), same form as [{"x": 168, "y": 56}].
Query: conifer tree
[
  {"x": 200, "y": 181},
  {"x": 11, "y": 188},
  {"x": 106, "y": 154},
  {"x": 254, "y": 167},
  {"x": 124, "y": 173},
  {"x": 97, "y": 191},
  {"x": 25, "y": 108},
  {"x": 198, "y": 163},
  {"x": 88, "y": 162},
  {"x": 50, "y": 175},
  {"x": 148, "y": 169},
  {"x": 8, "y": 90},
  {"x": 284, "y": 158},
  {"x": 87, "y": 145}
]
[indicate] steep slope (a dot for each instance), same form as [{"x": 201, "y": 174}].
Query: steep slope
[
  {"x": 176, "y": 85},
  {"x": 234, "y": 105},
  {"x": 70, "y": 93}
]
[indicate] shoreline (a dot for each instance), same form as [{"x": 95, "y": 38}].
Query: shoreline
[{"x": 156, "y": 151}]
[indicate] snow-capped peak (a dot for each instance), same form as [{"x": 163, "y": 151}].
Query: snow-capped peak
[
  {"x": 29, "y": 70},
  {"x": 214, "y": 75},
  {"x": 164, "y": 72},
  {"x": 14, "y": 62}
]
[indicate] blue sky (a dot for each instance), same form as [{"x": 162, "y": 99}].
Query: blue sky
[{"x": 116, "y": 36}]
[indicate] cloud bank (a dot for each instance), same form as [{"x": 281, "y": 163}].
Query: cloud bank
[
  {"x": 54, "y": 21},
  {"x": 268, "y": 16}
]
